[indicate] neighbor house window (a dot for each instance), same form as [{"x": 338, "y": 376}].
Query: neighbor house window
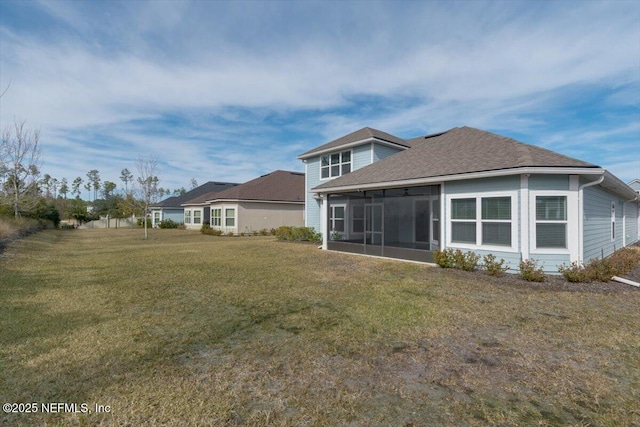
[
  {"x": 334, "y": 165},
  {"x": 230, "y": 217},
  {"x": 197, "y": 217},
  {"x": 216, "y": 217},
  {"x": 187, "y": 216},
  {"x": 463, "y": 221},
  {"x": 551, "y": 222},
  {"x": 156, "y": 218}
]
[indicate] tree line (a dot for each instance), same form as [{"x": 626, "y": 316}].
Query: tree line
[{"x": 24, "y": 191}]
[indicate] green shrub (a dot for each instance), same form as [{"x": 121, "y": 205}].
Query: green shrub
[
  {"x": 577, "y": 273},
  {"x": 141, "y": 224},
  {"x": 444, "y": 258},
  {"x": 619, "y": 263},
  {"x": 494, "y": 267},
  {"x": 263, "y": 232},
  {"x": 450, "y": 258},
  {"x": 297, "y": 234},
  {"x": 465, "y": 261},
  {"x": 530, "y": 271},
  {"x": 167, "y": 223},
  {"x": 206, "y": 229}
]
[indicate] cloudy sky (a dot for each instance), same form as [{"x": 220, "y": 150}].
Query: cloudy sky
[{"x": 227, "y": 91}]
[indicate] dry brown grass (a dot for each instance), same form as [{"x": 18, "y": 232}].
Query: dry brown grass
[{"x": 187, "y": 329}]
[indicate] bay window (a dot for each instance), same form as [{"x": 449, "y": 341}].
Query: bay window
[{"x": 551, "y": 222}]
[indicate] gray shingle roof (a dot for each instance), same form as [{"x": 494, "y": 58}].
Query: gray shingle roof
[
  {"x": 456, "y": 151},
  {"x": 280, "y": 186},
  {"x": 209, "y": 187},
  {"x": 359, "y": 135}
]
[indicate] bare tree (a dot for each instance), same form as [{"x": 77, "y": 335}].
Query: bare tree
[
  {"x": 148, "y": 182},
  {"x": 20, "y": 154}
]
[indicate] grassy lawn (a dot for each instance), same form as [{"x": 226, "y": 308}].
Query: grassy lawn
[{"x": 186, "y": 329}]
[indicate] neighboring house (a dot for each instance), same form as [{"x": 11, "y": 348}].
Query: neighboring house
[
  {"x": 269, "y": 201},
  {"x": 172, "y": 208},
  {"x": 373, "y": 193}
]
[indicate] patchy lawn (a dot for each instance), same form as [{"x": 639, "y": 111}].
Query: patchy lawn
[{"x": 187, "y": 329}]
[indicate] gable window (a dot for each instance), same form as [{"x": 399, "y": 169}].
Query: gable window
[
  {"x": 197, "y": 216},
  {"x": 551, "y": 222},
  {"x": 187, "y": 216},
  {"x": 334, "y": 165},
  {"x": 230, "y": 217},
  {"x": 216, "y": 217}
]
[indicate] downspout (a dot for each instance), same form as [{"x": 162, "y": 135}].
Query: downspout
[
  {"x": 581, "y": 215},
  {"x": 624, "y": 221}
]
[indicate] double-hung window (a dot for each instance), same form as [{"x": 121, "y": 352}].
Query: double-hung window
[
  {"x": 551, "y": 222},
  {"x": 197, "y": 216},
  {"x": 463, "y": 221},
  {"x": 496, "y": 221},
  {"x": 187, "y": 216},
  {"x": 336, "y": 164},
  {"x": 482, "y": 221},
  {"x": 230, "y": 217},
  {"x": 216, "y": 217}
]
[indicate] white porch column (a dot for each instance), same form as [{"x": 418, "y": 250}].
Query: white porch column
[
  {"x": 324, "y": 221},
  {"x": 524, "y": 216}
]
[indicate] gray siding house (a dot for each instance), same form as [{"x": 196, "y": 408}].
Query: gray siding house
[
  {"x": 372, "y": 193},
  {"x": 172, "y": 208},
  {"x": 266, "y": 202}
]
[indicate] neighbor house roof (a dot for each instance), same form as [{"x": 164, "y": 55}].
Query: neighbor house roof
[
  {"x": 457, "y": 151},
  {"x": 353, "y": 138},
  {"x": 278, "y": 186},
  {"x": 208, "y": 188}
]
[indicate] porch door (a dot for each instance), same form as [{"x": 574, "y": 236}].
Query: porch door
[
  {"x": 374, "y": 219},
  {"x": 426, "y": 219}
]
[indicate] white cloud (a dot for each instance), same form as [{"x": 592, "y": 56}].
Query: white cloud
[{"x": 490, "y": 65}]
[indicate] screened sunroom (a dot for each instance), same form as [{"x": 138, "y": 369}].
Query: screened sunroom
[{"x": 396, "y": 223}]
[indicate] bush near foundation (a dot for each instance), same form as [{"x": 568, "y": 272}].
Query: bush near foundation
[
  {"x": 619, "y": 263},
  {"x": 530, "y": 271},
  {"x": 206, "y": 229},
  {"x": 455, "y": 258},
  {"x": 167, "y": 223},
  {"x": 298, "y": 234},
  {"x": 493, "y": 266}
]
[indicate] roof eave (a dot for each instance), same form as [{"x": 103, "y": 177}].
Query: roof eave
[
  {"x": 310, "y": 154},
  {"x": 456, "y": 177}
]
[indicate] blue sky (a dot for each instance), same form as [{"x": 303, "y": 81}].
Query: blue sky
[{"x": 228, "y": 91}]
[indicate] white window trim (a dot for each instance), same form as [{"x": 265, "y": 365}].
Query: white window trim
[
  {"x": 572, "y": 227},
  {"x": 217, "y": 217},
  {"x": 193, "y": 216},
  {"x": 185, "y": 217},
  {"x": 235, "y": 216},
  {"x": 329, "y": 154},
  {"x": 330, "y": 220},
  {"x": 478, "y": 245}
]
